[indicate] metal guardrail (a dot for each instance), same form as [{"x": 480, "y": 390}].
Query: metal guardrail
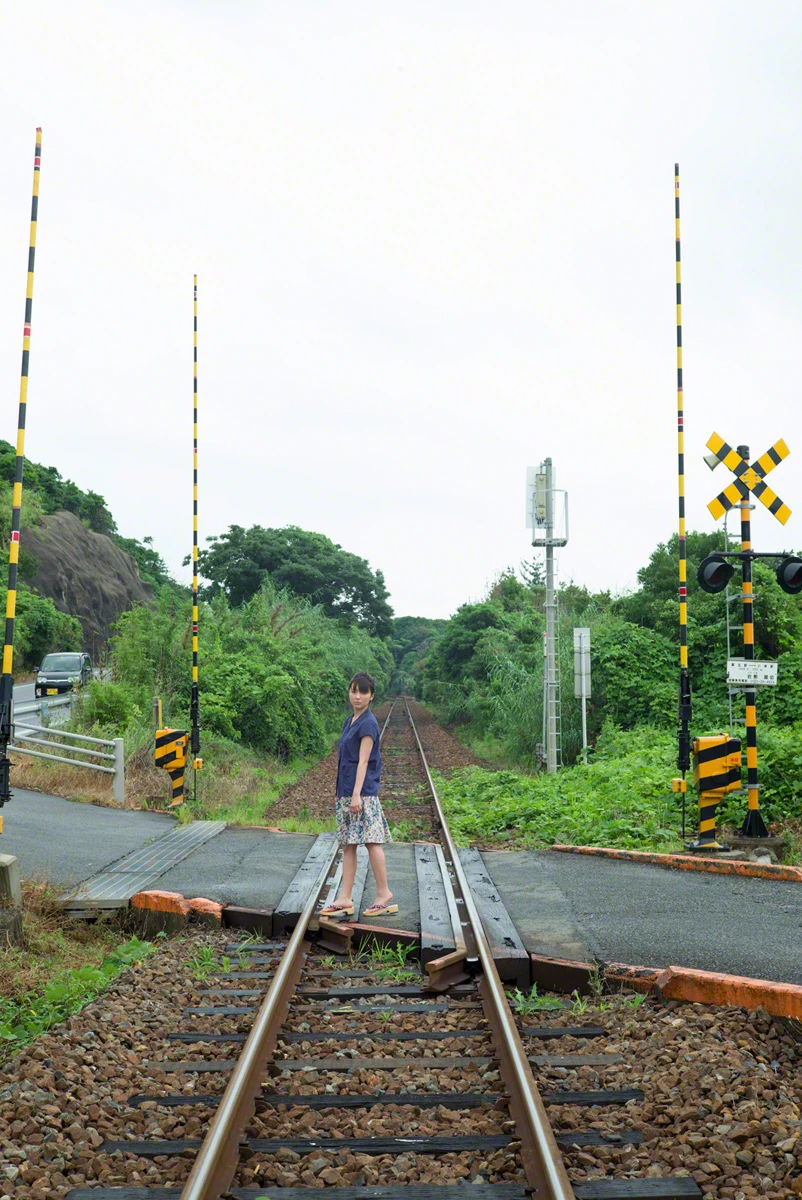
[{"x": 40, "y": 735}]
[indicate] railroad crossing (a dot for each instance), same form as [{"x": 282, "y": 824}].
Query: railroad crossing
[{"x": 749, "y": 478}]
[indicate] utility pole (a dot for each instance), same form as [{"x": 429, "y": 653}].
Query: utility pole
[
  {"x": 541, "y": 517},
  {"x": 551, "y": 658}
]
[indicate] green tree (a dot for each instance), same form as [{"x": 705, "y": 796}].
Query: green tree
[{"x": 308, "y": 564}]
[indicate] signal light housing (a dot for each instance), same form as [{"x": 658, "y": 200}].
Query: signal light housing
[
  {"x": 715, "y": 573},
  {"x": 789, "y": 574}
]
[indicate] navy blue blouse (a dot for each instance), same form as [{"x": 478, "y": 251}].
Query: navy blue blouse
[{"x": 365, "y": 725}]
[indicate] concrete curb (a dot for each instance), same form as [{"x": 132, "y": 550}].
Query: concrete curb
[
  {"x": 674, "y": 983},
  {"x": 689, "y": 862}
]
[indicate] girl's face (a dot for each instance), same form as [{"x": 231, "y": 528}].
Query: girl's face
[{"x": 359, "y": 700}]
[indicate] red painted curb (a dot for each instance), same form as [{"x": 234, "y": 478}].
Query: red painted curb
[
  {"x": 166, "y": 902},
  {"x": 208, "y": 908},
  {"x": 689, "y": 862}
]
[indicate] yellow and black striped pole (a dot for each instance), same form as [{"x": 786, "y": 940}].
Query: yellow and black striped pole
[
  {"x": 7, "y": 681},
  {"x": 194, "y": 707},
  {"x": 753, "y": 825},
  {"x": 684, "y": 713}
]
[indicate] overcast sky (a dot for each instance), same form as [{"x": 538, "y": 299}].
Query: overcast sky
[{"x": 435, "y": 243}]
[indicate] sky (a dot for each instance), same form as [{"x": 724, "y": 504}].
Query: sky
[{"x": 434, "y": 245}]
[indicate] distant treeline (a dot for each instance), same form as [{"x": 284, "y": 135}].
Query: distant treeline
[{"x": 484, "y": 667}]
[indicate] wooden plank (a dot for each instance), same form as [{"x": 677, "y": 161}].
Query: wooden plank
[
  {"x": 545, "y": 1032},
  {"x": 373, "y": 1064},
  {"x": 451, "y": 1100},
  {"x": 509, "y": 953},
  {"x": 458, "y": 922},
  {"x": 217, "y": 1038},
  {"x": 432, "y": 1007},
  {"x": 587, "y": 1099},
  {"x": 385, "y": 989},
  {"x": 225, "y": 991},
  {"x": 307, "y": 878},
  {"x": 189, "y": 1067},
  {"x": 436, "y": 936},
  {"x": 360, "y": 879},
  {"x": 252, "y": 920},
  {"x": 676, "y": 1188},
  {"x": 244, "y": 975},
  {"x": 171, "y": 1101},
  {"x": 255, "y": 948},
  {"x": 403, "y": 1035},
  {"x": 377, "y": 1145},
  {"x": 576, "y": 1060},
  {"x": 362, "y": 864},
  {"x": 495, "y": 1191},
  {"x": 210, "y": 1010},
  {"x": 592, "y": 1137}
]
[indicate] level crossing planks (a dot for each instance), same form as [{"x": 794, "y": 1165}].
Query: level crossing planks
[
  {"x": 436, "y": 932},
  {"x": 509, "y": 953},
  {"x": 307, "y": 878}
]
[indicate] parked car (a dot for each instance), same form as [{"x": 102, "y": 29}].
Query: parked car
[{"x": 62, "y": 672}]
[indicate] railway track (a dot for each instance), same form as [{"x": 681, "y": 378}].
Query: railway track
[{"x": 295, "y": 1069}]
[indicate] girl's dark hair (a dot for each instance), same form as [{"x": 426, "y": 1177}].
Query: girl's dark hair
[{"x": 365, "y": 682}]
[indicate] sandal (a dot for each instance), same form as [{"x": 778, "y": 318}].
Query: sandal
[
  {"x": 380, "y": 910},
  {"x": 338, "y": 909}
]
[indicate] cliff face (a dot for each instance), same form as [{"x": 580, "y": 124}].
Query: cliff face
[{"x": 84, "y": 574}]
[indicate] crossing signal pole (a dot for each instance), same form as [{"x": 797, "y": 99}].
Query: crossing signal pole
[
  {"x": 715, "y": 572},
  {"x": 7, "y": 678},
  {"x": 684, "y": 707},
  {"x": 194, "y": 703}
]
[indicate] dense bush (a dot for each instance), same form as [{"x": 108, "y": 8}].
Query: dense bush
[
  {"x": 621, "y": 798},
  {"x": 485, "y": 669},
  {"x": 273, "y": 673}
]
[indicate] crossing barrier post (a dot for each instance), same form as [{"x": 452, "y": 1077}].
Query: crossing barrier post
[{"x": 716, "y": 771}]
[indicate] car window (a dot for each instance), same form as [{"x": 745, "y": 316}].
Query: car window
[{"x": 61, "y": 662}]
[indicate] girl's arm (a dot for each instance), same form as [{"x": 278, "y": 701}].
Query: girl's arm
[{"x": 365, "y": 747}]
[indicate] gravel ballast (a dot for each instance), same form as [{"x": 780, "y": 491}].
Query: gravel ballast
[{"x": 723, "y": 1092}]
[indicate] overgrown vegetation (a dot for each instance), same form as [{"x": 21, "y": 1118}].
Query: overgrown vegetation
[
  {"x": 57, "y": 968},
  {"x": 621, "y": 798},
  {"x": 273, "y": 680}
]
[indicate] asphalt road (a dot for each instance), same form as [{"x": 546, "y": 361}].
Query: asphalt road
[
  {"x": 578, "y": 906},
  {"x": 65, "y": 842}
]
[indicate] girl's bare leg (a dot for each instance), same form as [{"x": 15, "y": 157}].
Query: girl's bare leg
[
  {"x": 378, "y": 866},
  {"x": 349, "y": 874}
]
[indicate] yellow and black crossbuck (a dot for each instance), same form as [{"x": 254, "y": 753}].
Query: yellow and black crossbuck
[{"x": 748, "y": 478}]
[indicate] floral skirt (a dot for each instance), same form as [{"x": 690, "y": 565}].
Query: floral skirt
[{"x": 359, "y": 829}]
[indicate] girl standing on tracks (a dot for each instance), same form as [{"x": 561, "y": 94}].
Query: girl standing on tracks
[{"x": 360, "y": 820}]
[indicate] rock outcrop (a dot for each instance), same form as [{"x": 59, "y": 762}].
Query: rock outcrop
[{"x": 84, "y": 574}]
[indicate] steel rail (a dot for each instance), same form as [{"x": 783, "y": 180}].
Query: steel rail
[
  {"x": 543, "y": 1165},
  {"x": 387, "y": 718},
  {"x": 219, "y": 1156}
]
